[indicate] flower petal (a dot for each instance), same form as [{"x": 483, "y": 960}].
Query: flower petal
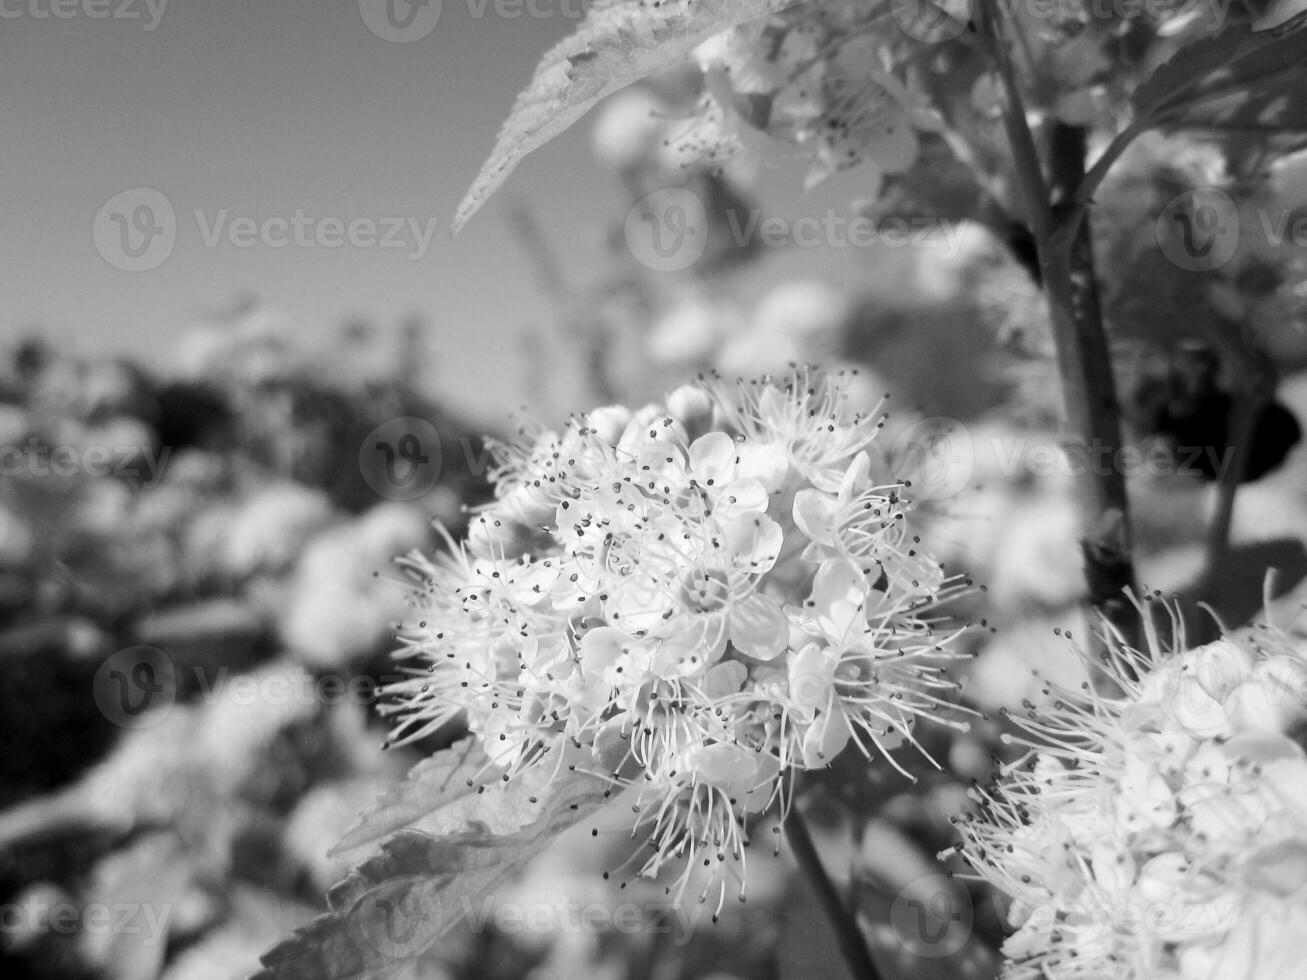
[
  {"x": 815, "y": 514},
  {"x": 811, "y": 675},
  {"x": 753, "y": 542},
  {"x": 838, "y": 580},
  {"x": 725, "y": 679},
  {"x": 765, "y": 462},
  {"x": 712, "y": 459},
  {"x": 759, "y": 627},
  {"x": 601, "y": 648},
  {"x": 825, "y": 738},
  {"x": 741, "y": 498}
]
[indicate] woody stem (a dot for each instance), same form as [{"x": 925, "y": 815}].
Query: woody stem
[{"x": 843, "y": 921}]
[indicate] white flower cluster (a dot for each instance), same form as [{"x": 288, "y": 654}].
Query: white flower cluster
[
  {"x": 816, "y": 80},
  {"x": 692, "y": 601},
  {"x": 1161, "y": 833}
]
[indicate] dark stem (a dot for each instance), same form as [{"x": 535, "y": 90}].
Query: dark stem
[
  {"x": 842, "y": 919},
  {"x": 1093, "y": 409},
  {"x": 1066, "y": 258},
  {"x": 1088, "y": 387},
  {"x": 1216, "y": 540},
  {"x": 1249, "y": 397},
  {"x": 1060, "y": 225}
]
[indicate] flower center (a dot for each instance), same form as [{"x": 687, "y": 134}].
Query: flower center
[{"x": 705, "y": 590}]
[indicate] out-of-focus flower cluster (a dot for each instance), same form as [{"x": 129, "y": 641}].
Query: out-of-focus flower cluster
[
  {"x": 814, "y": 81},
  {"x": 1158, "y": 832},
  {"x": 208, "y": 520},
  {"x": 693, "y": 601},
  {"x": 1251, "y": 293},
  {"x": 129, "y": 490}
]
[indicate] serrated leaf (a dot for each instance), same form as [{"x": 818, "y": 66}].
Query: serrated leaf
[
  {"x": 419, "y": 884},
  {"x": 1238, "y": 80},
  {"x": 431, "y": 784},
  {"x": 618, "y": 43}
]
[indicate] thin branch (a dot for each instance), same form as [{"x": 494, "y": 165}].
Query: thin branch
[
  {"x": 1216, "y": 539},
  {"x": 1063, "y": 238},
  {"x": 1030, "y": 175},
  {"x": 843, "y": 921},
  {"x": 549, "y": 275},
  {"x": 1085, "y": 190},
  {"x": 1089, "y": 386},
  {"x": 1249, "y": 397}
]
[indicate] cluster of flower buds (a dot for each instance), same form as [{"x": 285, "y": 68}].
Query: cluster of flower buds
[
  {"x": 693, "y": 601},
  {"x": 1158, "y": 832}
]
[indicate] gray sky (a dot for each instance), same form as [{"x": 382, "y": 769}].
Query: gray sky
[
  {"x": 263, "y": 107},
  {"x": 250, "y": 110}
]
